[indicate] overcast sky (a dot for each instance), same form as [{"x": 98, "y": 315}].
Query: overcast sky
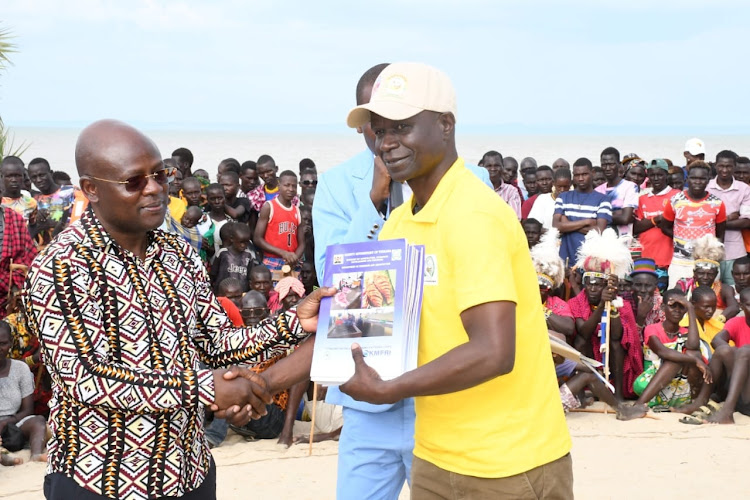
[{"x": 518, "y": 65}]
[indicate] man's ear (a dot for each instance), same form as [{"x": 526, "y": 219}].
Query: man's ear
[
  {"x": 448, "y": 122},
  {"x": 359, "y": 130},
  {"x": 89, "y": 189}
]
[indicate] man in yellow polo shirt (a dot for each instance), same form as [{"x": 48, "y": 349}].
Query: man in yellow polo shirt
[{"x": 489, "y": 420}]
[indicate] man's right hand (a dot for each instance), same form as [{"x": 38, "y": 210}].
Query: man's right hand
[
  {"x": 242, "y": 390},
  {"x": 610, "y": 291},
  {"x": 381, "y": 184}
]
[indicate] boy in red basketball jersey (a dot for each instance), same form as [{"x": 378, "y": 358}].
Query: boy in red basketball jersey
[{"x": 277, "y": 233}]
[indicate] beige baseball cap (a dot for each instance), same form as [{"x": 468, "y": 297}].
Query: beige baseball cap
[{"x": 404, "y": 89}]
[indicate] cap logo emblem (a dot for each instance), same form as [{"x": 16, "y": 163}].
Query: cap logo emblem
[{"x": 394, "y": 86}]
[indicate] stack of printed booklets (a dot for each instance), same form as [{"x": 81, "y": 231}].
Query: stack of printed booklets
[{"x": 378, "y": 304}]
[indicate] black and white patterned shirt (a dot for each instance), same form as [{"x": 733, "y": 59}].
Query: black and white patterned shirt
[{"x": 121, "y": 338}]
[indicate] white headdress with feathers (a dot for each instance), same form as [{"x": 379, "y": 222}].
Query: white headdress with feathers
[
  {"x": 546, "y": 258},
  {"x": 708, "y": 251},
  {"x": 605, "y": 253}
]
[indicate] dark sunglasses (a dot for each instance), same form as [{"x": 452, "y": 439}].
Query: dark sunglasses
[
  {"x": 309, "y": 183},
  {"x": 138, "y": 182},
  {"x": 254, "y": 312}
]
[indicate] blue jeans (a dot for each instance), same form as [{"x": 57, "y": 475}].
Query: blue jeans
[
  {"x": 375, "y": 453},
  {"x": 216, "y": 432}
]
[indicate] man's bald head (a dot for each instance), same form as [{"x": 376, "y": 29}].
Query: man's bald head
[
  {"x": 528, "y": 163},
  {"x": 254, "y": 299},
  {"x": 560, "y": 163},
  {"x": 110, "y": 145}
]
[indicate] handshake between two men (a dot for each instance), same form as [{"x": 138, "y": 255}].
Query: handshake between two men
[{"x": 242, "y": 394}]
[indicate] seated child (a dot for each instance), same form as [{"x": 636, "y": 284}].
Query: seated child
[
  {"x": 704, "y": 300},
  {"x": 229, "y": 295},
  {"x": 675, "y": 367},
  {"x": 729, "y": 371},
  {"x": 237, "y": 259},
  {"x": 277, "y": 232}
]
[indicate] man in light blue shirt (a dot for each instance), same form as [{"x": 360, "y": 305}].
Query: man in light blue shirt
[{"x": 351, "y": 202}]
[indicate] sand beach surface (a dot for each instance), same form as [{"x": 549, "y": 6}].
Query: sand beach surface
[{"x": 645, "y": 458}]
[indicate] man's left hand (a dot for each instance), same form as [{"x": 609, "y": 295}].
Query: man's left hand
[
  {"x": 366, "y": 385},
  {"x": 307, "y": 310}
]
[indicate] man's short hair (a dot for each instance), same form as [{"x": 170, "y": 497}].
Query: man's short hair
[
  {"x": 306, "y": 164},
  {"x": 260, "y": 269},
  {"x": 226, "y": 233},
  {"x": 211, "y": 187},
  {"x": 742, "y": 261},
  {"x": 611, "y": 151},
  {"x": 742, "y": 159},
  {"x": 287, "y": 173},
  {"x": 248, "y": 165},
  {"x": 563, "y": 173},
  {"x": 264, "y": 159},
  {"x": 225, "y": 284},
  {"x": 184, "y": 154},
  {"x": 59, "y": 175},
  {"x": 531, "y": 222},
  {"x": 493, "y": 154},
  {"x": 42, "y": 161},
  {"x": 12, "y": 160},
  {"x": 544, "y": 168},
  {"x": 190, "y": 180},
  {"x": 583, "y": 162},
  {"x": 672, "y": 292},
  {"x": 231, "y": 164},
  {"x": 367, "y": 80},
  {"x": 240, "y": 228},
  {"x": 232, "y": 175},
  {"x": 699, "y": 164},
  {"x": 726, "y": 154},
  {"x": 702, "y": 292}
]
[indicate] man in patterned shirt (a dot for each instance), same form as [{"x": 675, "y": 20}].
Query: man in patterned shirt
[
  {"x": 124, "y": 312},
  {"x": 689, "y": 215}
]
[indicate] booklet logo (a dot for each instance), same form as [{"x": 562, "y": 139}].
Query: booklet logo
[{"x": 338, "y": 259}]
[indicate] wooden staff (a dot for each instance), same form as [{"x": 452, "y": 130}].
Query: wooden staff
[
  {"x": 607, "y": 309},
  {"x": 312, "y": 418}
]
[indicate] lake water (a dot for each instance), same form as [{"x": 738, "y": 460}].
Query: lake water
[{"x": 327, "y": 149}]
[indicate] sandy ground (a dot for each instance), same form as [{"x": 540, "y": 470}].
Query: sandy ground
[{"x": 646, "y": 458}]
